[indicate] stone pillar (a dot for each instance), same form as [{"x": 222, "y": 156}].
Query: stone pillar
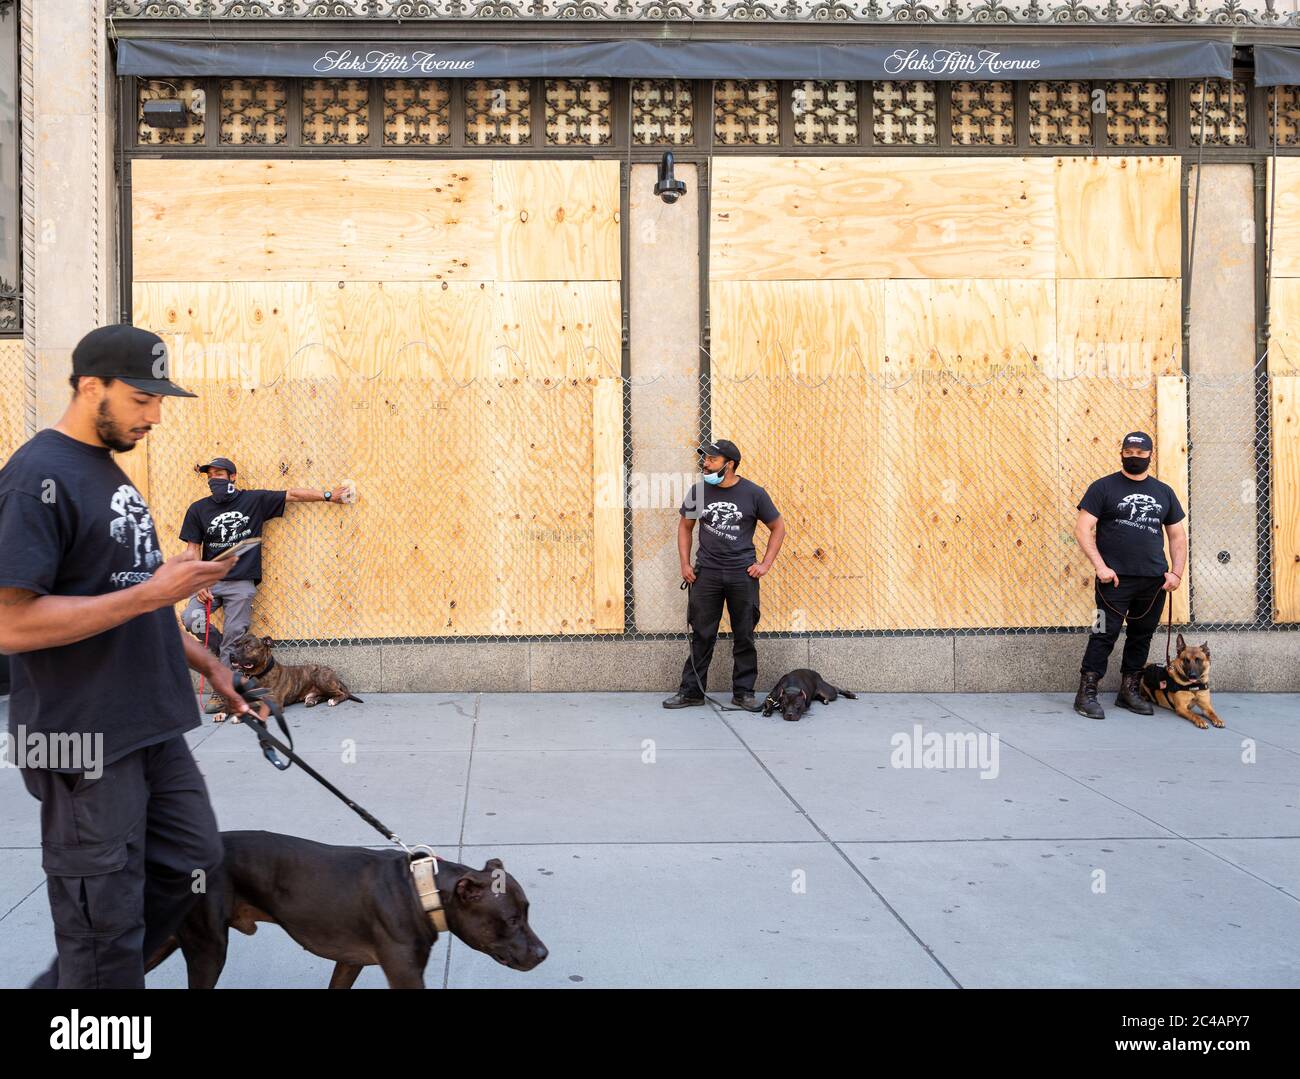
[
  {"x": 69, "y": 190},
  {"x": 1221, "y": 391},
  {"x": 664, "y": 329}
]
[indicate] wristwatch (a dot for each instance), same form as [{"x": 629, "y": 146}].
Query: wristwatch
[{"x": 326, "y": 493}]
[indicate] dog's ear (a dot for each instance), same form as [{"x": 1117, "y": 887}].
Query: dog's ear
[
  {"x": 1206, "y": 649},
  {"x": 492, "y": 863},
  {"x": 1180, "y": 643},
  {"x": 266, "y": 641},
  {"x": 471, "y": 888}
]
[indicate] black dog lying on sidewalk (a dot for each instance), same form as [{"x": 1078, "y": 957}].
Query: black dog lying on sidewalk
[
  {"x": 796, "y": 691},
  {"x": 356, "y": 906}
]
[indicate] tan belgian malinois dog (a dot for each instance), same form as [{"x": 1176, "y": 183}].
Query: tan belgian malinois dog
[{"x": 1183, "y": 683}]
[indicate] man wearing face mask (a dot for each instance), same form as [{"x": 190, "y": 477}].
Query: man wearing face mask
[
  {"x": 230, "y": 515},
  {"x": 726, "y": 569},
  {"x": 1128, "y": 509}
]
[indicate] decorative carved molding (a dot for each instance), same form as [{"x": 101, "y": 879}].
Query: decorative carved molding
[{"x": 1138, "y": 13}]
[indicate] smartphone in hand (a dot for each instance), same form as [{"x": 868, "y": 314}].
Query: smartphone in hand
[{"x": 238, "y": 549}]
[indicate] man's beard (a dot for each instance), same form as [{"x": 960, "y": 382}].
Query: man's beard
[{"x": 110, "y": 432}]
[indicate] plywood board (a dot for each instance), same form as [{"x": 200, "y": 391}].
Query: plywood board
[
  {"x": 1284, "y": 422},
  {"x": 607, "y": 489},
  {"x": 804, "y": 330},
  {"x": 557, "y": 329},
  {"x": 965, "y": 327},
  {"x": 13, "y": 402},
  {"x": 557, "y": 220},
  {"x": 1129, "y": 330},
  {"x": 347, "y": 219},
  {"x": 1284, "y": 324},
  {"x": 1284, "y": 207},
  {"x": 801, "y": 218},
  {"x": 1118, "y": 216},
  {"x": 1170, "y": 466}
]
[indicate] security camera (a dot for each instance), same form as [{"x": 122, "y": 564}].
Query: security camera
[
  {"x": 669, "y": 188},
  {"x": 165, "y": 113}
]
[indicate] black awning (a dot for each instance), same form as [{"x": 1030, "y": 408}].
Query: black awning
[
  {"x": 1276, "y": 66},
  {"x": 681, "y": 59}
]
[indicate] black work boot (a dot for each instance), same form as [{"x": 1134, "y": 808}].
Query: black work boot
[
  {"x": 682, "y": 700},
  {"x": 746, "y": 701},
  {"x": 1085, "y": 701},
  {"x": 1130, "y": 694}
]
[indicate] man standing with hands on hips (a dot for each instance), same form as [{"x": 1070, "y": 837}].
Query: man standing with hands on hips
[
  {"x": 228, "y": 516},
  {"x": 99, "y": 664},
  {"x": 1128, "y": 510},
  {"x": 728, "y": 508}
]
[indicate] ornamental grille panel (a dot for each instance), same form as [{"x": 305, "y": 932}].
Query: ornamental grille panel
[
  {"x": 1060, "y": 113},
  {"x": 335, "y": 112},
  {"x": 1137, "y": 113},
  {"x": 905, "y": 113},
  {"x": 498, "y": 112},
  {"x": 663, "y": 112},
  {"x": 746, "y": 112},
  {"x": 579, "y": 112},
  {"x": 1223, "y": 110},
  {"x": 1287, "y": 104},
  {"x": 254, "y": 112},
  {"x": 983, "y": 114},
  {"x": 825, "y": 112},
  {"x": 417, "y": 112},
  {"x": 158, "y": 90}
]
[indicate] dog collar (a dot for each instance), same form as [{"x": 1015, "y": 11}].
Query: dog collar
[
  {"x": 263, "y": 671},
  {"x": 424, "y": 873},
  {"x": 1200, "y": 686}
]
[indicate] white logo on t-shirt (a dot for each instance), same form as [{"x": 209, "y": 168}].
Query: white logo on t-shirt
[
  {"x": 133, "y": 527},
  {"x": 228, "y": 528},
  {"x": 723, "y": 519},
  {"x": 1143, "y": 511}
]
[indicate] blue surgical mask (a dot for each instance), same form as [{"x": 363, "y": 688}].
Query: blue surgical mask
[
  {"x": 222, "y": 490},
  {"x": 716, "y": 477}
]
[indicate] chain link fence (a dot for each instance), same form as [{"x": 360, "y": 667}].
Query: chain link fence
[{"x": 547, "y": 508}]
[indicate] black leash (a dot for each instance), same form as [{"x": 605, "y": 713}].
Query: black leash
[{"x": 254, "y": 694}]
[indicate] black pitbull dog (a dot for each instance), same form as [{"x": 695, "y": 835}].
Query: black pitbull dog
[
  {"x": 796, "y": 691},
  {"x": 356, "y": 906}
]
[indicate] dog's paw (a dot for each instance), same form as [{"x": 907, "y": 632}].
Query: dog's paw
[
  {"x": 310, "y": 702},
  {"x": 220, "y": 717},
  {"x": 1201, "y": 723},
  {"x": 333, "y": 703},
  {"x": 1216, "y": 721}
]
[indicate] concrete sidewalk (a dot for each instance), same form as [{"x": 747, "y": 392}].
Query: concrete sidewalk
[{"x": 686, "y": 849}]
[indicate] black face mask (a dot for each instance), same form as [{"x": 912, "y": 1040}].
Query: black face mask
[
  {"x": 222, "y": 490},
  {"x": 1135, "y": 466}
]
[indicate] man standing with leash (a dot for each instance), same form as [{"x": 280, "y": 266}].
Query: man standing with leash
[
  {"x": 727, "y": 568},
  {"x": 1127, "y": 510},
  {"x": 99, "y": 663},
  {"x": 230, "y": 515}
]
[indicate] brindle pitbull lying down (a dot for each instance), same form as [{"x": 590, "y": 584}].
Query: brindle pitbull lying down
[
  {"x": 356, "y": 906},
  {"x": 288, "y": 683}
]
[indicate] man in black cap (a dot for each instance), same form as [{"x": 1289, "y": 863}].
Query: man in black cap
[
  {"x": 101, "y": 695},
  {"x": 230, "y": 515},
  {"x": 1128, "y": 508},
  {"x": 726, "y": 568}
]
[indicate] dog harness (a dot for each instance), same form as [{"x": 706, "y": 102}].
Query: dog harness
[{"x": 424, "y": 874}]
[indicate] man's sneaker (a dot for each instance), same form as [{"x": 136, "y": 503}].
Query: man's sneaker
[
  {"x": 1130, "y": 694},
  {"x": 1085, "y": 701},
  {"x": 746, "y": 701},
  {"x": 215, "y": 704},
  {"x": 682, "y": 700}
]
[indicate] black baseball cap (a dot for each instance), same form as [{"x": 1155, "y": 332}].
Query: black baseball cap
[
  {"x": 218, "y": 462},
  {"x": 137, "y": 357},
  {"x": 720, "y": 448},
  {"x": 1137, "y": 440}
]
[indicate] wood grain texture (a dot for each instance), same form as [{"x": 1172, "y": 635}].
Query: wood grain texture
[
  {"x": 557, "y": 220},
  {"x": 1284, "y": 423},
  {"x": 966, "y": 327},
  {"x": 1170, "y": 466},
  {"x": 1284, "y": 325},
  {"x": 607, "y": 491},
  {"x": 313, "y": 220},
  {"x": 1118, "y": 217},
  {"x": 793, "y": 218},
  {"x": 13, "y": 402},
  {"x": 1283, "y": 205},
  {"x": 557, "y": 329},
  {"x": 797, "y": 329},
  {"x": 1129, "y": 330}
]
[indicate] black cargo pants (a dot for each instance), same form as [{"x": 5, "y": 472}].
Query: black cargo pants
[
  {"x": 711, "y": 589},
  {"x": 125, "y": 856}
]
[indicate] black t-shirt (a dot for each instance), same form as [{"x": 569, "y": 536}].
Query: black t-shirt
[
  {"x": 727, "y": 517},
  {"x": 1130, "y": 514},
  {"x": 72, "y": 524},
  {"x": 219, "y": 526}
]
